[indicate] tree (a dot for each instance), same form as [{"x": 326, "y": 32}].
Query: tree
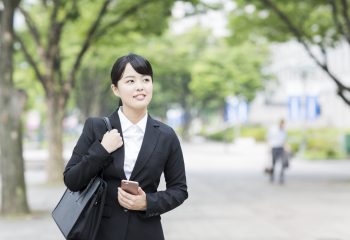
[
  {"x": 196, "y": 71},
  {"x": 173, "y": 57},
  {"x": 12, "y": 101},
  {"x": 313, "y": 23},
  {"x": 60, "y": 37},
  {"x": 228, "y": 71},
  {"x": 93, "y": 94}
]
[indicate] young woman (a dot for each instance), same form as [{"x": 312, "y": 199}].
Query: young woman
[{"x": 138, "y": 148}]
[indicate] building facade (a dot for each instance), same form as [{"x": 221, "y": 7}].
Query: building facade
[{"x": 302, "y": 93}]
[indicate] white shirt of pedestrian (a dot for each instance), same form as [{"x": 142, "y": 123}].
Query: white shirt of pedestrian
[
  {"x": 277, "y": 137},
  {"x": 132, "y": 138}
]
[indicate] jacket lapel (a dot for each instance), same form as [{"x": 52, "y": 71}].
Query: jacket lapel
[
  {"x": 119, "y": 155},
  {"x": 148, "y": 144}
]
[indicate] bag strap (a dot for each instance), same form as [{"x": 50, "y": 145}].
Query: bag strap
[
  {"x": 108, "y": 123},
  {"x": 109, "y": 128}
]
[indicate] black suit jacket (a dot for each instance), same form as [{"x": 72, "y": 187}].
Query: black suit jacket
[{"x": 160, "y": 152}]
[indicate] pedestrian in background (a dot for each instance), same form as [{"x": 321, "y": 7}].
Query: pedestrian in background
[
  {"x": 139, "y": 148},
  {"x": 277, "y": 137}
]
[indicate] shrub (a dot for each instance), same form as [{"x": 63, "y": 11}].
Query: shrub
[
  {"x": 322, "y": 143},
  {"x": 258, "y": 133},
  {"x": 325, "y": 143},
  {"x": 228, "y": 134},
  {"x": 224, "y": 135}
]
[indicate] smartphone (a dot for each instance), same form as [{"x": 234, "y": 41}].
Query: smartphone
[{"x": 130, "y": 186}]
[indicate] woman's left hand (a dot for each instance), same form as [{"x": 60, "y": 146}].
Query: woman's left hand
[{"x": 132, "y": 202}]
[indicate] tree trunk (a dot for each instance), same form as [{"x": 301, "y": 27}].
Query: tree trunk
[
  {"x": 14, "y": 199},
  {"x": 55, "y": 113},
  {"x": 13, "y": 190}
]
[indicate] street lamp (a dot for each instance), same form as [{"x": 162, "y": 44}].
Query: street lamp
[{"x": 303, "y": 76}]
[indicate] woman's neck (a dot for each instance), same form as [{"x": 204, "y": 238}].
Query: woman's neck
[{"x": 134, "y": 116}]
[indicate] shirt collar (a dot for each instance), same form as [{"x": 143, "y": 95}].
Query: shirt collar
[{"x": 126, "y": 123}]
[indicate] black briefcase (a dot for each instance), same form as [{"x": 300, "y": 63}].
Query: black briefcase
[{"x": 78, "y": 214}]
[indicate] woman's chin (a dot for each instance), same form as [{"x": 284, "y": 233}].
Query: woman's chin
[{"x": 139, "y": 105}]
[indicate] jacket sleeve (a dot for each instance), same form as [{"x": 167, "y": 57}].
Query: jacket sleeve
[
  {"x": 176, "y": 187},
  {"x": 87, "y": 160}
]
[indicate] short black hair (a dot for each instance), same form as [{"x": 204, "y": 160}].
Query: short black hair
[{"x": 139, "y": 63}]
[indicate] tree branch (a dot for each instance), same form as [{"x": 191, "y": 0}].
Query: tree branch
[
  {"x": 341, "y": 94},
  {"x": 93, "y": 28},
  {"x": 93, "y": 35},
  {"x": 345, "y": 12},
  {"x": 44, "y": 3},
  {"x": 336, "y": 20},
  {"x": 122, "y": 17},
  {"x": 57, "y": 65},
  {"x": 31, "y": 62},
  {"x": 31, "y": 26},
  {"x": 324, "y": 53},
  {"x": 52, "y": 38},
  {"x": 295, "y": 31},
  {"x": 300, "y": 39},
  {"x": 285, "y": 19},
  {"x": 34, "y": 32},
  {"x": 73, "y": 13}
]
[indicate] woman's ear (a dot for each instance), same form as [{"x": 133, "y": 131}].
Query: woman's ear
[{"x": 115, "y": 90}]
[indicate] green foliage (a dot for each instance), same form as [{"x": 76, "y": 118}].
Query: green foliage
[
  {"x": 254, "y": 19},
  {"x": 194, "y": 70},
  {"x": 124, "y": 23},
  {"x": 223, "y": 135},
  {"x": 228, "y": 134},
  {"x": 111, "y": 35},
  {"x": 323, "y": 148},
  {"x": 172, "y": 58},
  {"x": 325, "y": 143},
  {"x": 24, "y": 78},
  {"x": 256, "y": 132},
  {"x": 197, "y": 70},
  {"x": 294, "y": 147},
  {"x": 226, "y": 71}
]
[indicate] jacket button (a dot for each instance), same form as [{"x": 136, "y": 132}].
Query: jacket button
[{"x": 125, "y": 210}]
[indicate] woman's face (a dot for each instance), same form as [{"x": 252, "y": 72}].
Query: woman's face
[{"x": 134, "y": 89}]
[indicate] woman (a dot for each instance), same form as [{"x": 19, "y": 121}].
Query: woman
[{"x": 138, "y": 148}]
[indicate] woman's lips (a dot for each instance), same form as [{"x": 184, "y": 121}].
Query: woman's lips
[{"x": 140, "y": 96}]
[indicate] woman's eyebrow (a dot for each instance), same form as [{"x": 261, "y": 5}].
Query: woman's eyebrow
[{"x": 129, "y": 76}]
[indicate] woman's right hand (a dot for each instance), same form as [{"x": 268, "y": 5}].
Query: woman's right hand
[{"x": 112, "y": 140}]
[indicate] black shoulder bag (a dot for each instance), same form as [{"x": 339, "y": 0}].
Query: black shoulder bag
[{"x": 78, "y": 214}]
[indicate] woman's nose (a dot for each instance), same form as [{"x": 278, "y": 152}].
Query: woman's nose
[{"x": 139, "y": 85}]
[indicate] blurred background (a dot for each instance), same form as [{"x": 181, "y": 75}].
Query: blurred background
[{"x": 225, "y": 72}]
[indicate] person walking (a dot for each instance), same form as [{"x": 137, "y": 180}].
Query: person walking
[
  {"x": 277, "y": 137},
  {"x": 139, "y": 148}
]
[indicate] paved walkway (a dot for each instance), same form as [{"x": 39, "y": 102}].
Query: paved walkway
[{"x": 229, "y": 198}]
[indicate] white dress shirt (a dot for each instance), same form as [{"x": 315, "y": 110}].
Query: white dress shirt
[
  {"x": 277, "y": 137},
  {"x": 132, "y": 139}
]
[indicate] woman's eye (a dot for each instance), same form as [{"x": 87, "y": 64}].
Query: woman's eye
[
  {"x": 130, "y": 81},
  {"x": 146, "y": 79}
]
